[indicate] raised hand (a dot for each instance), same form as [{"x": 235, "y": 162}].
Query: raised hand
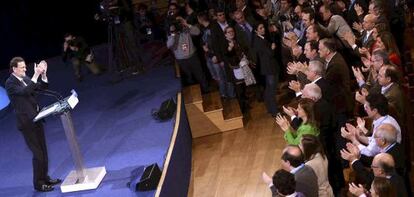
[
  {"x": 361, "y": 125},
  {"x": 360, "y": 97},
  {"x": 282, "y": 122},
  {"x": 290, "y": 111},
  {"x": 358, "y": 74},
  {"x": 266, "y": 178},
  {"x": 295, "y": 86},
  {"x": 357, "y": 26},
  {"x": 291, "y": 69},
  {"x": 358, "y": 9},
  {"x": 356, "y": 190}
]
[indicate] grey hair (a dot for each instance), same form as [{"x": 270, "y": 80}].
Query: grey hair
[
  {"x": 387, "y": 132},
  {"x": 317, "y": 67},
  {"x": 314, "y": 91}
]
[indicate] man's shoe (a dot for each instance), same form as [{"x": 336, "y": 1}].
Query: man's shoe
[
  {"x": 45, "y": 188},
  {"x": 52, "y": 182}
]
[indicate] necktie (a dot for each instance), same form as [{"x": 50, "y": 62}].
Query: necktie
[
  {"x": 25, "y": 84},
  {"x": 248, "y": 33}
]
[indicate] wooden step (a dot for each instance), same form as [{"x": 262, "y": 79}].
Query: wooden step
[
  {"x": 192, "y": 94},
  {"x": 212, "y": 102},
  {"x": 231, "y": 109}
]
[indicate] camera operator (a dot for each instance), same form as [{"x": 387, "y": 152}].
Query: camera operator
[
  {"x": 78, "y": 53},
  {"x": 118, "y": 14},
  {"x": 180, "y": 42}
]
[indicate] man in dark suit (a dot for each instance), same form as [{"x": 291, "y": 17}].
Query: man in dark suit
[
  {"x": 264, "y": 56},
  {"x": 382, "y": 165},
  {"x": 21, "y": 90}
]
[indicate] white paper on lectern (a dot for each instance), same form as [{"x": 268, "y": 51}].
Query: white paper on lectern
[
  {"x": 47, "y": 111},
  {"x": 73, "y": 101}
]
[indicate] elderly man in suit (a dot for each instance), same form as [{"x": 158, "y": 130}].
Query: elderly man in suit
[
  {"x": 383, "y": 165},
  {"x": 21, "y": 90}
]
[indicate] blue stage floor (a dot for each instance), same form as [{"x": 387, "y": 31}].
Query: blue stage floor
[{"x": 114, "y": 128}]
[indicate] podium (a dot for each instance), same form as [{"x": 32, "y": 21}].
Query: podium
[{"x": 81, "y": 178}]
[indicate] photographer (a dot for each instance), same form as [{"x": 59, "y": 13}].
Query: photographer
[
  {"x": 119, "y": 15},
  {"x": 78, "y": 53},
  {"x": 180, "y": 42}
]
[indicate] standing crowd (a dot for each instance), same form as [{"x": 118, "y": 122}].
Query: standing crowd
[{"x": 329, "y": 72}]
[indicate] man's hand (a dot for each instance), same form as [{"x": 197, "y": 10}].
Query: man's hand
[
  {"x": 358, "y": 74},
  {"x": 214, "y": 59},
  {"x": 357, "y": 26},
  {"x": 358, "y": 9},
  {"x": 360, "y": 97},
  {"x": 351, "y": 152},
  {"x": 295, "y": 86}
]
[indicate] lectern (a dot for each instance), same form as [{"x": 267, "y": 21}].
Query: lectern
[{"x": 81, "y": 178}]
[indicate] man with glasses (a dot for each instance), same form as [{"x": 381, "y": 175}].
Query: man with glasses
[{"x": 383, "y": 165}]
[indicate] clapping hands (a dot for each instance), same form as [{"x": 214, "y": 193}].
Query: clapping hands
[
  {"x": 351, "y": 152},
  {"x": 282, "y": 122},
  {"x": 41, "y": 68}
]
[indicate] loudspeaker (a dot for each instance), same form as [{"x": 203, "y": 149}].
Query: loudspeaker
[{"x": 149, "y": 179}]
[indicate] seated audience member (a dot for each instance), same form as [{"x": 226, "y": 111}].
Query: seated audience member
[
  {"x": 316, "y": 159},
  {"x": 381, "y": 187},
  {"x": 309, "y": 125},
  {"x": 383, "y": 165},
  {"x": 292, "y": 161},
  {"x": 376, "y": 106},
  {"x": 285, "y": 184}
]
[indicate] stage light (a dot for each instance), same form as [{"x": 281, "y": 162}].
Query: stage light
[{"x": 4, "y": 99}]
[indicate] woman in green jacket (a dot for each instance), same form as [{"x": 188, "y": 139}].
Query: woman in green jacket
[{"x": 308, "y": 125}]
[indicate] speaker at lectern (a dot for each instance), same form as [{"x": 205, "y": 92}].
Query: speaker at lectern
[{"x": 81, "y": 178}]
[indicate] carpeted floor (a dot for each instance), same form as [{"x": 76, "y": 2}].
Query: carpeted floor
[{"x": 114, "y": 128}]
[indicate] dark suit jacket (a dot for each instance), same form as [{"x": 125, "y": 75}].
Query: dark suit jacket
[
  {"x": 367, "y": 176},
  {"x": 395, "y": 98},
  {"x": 23, "y": 99},
  {"x": 327, "y": 92},
  {"x": 264, "y": 56},
  {"x": 396, "y": 152},
  {"x": 218, "y": 39},
  {"x": 338, "y": 75}
]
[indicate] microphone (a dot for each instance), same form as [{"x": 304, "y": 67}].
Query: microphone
[
  {"x": 57, "y": 97},
  {"x": 57, "y": 94}
]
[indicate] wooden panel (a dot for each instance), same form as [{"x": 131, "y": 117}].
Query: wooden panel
[
  {"x": 200, "y": 124},
  {"x": 231, "y": 109},
  {"x": 231, "y": 163},
  {"x": 212, "y": 102},
  {"x": 192, "y": 94}
]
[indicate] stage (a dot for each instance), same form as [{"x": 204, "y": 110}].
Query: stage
[{"x": 114, "y": 127}]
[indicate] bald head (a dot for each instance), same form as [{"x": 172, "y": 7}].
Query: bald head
[
  {"x": 369, "y": 22},
  {"x": 293, "y": 155},
  {"x": 383, "y": 165}
]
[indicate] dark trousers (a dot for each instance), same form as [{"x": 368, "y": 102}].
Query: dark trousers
[
  {"x": 270, "y": 93},
  {"x": 36, "y": 142},
  {"x": 191, "y": 68}
]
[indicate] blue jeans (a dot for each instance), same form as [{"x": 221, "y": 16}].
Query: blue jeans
[{"x": 218, "y": 73}]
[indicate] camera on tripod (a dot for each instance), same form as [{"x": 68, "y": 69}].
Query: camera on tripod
[{"x": 109, "y": 11}]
